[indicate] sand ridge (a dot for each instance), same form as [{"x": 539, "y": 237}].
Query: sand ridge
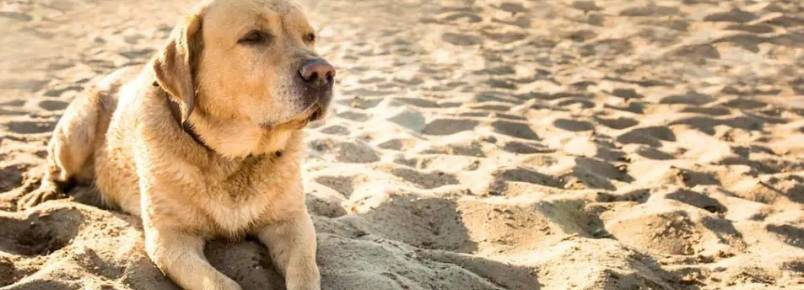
[{"x": 472, "y": 145}]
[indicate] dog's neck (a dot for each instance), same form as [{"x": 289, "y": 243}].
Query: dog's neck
[
  {"x": 232, "y": 138},
  {"x": 175, "y": 110},
  {"x": 236, "y": 138}
]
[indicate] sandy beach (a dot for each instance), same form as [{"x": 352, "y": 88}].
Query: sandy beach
[{"x": 600, "y": 144}]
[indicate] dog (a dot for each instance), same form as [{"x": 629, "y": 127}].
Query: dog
[{"x": 205, "y": 140}]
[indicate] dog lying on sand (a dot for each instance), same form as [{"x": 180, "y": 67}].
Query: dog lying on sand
[{"x": 205, "y": 140}]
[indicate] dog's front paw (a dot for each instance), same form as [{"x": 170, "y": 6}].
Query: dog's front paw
[{"x": 42, "y": 194}]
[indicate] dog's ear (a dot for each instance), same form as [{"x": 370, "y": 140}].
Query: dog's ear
[{"x": 174, "y": 67}]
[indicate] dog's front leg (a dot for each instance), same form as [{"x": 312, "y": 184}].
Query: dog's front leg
[
  {"x": 292, "y": 246},
  {"x": 181, "y": 257}
]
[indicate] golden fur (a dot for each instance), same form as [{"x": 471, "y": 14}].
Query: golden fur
[{"x": 244, "y": 175}]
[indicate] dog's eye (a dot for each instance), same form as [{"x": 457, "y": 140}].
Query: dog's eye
[
  {"x": 254, "y": 37},
  {"x": 310, "y": 37}
]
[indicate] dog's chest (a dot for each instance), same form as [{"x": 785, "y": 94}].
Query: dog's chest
[
  {"x": 239, "y": 197},
  {"x": 235, "y": 217}
]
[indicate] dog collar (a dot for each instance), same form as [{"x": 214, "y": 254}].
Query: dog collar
[
  {"x": 186, "y": 127},
  {"x": 175, "y": 111}
]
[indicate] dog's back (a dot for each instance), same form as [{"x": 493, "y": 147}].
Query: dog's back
[{"x": 79, "y": 148}]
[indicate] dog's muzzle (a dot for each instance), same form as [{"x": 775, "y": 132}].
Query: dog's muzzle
[{"x": 317, "y": 77}]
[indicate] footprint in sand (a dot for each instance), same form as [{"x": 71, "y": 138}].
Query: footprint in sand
[
  {"x": 58, "y": 92},
  {"x": 371, "y": 80},
  {"x": 409, "y": 119},
  {"x": 512, "y": 8},
  {"x": 697, "y": 51},
  {"x": 581, "y": 35},
  {"x": 430, "y": 223},
  {"x": 16, "y": 16},
  {"x": 461, "y": 16},
  {"x": 651, "y": 136},
  {"x": 473, "y": 148},
  {"x": 418, "y": 102},
  {"x": 757, "y": 28},
  {"x": 336, "y": 130},
  {"x": 525, "y": 148},
  {"x": 138, "y": 54},
  {"x": 712, "y": 111},
  {"x": 475, "y": 114},
  {"x": 426, "y": 180},
  {"x": 746, "y": 41},
  {"x": 8, "y": 272},
  {"x": 633, "y": 107},
  {"x": 585, "y": 6},
  {"x": 573, "y": 102},
  {"x": 785, "y": 21},
  {"x": 501, "y": 84},
  {"x": 490, "y": 107},
  {"x": 523, "y": 227},
  {"x": 707, "y": 124},
  {"x": 504, "y": 37},
  {"x": 39, "y": 234},
  {"x": 524, "y": 175},
  {"x": 30, "y": 127},
  {"x": 698, "y": 200},
  {"x": 499, "y": 70},
  {"x": 573, "y": 125},
  {"x": 448, "y": 126},
  {"x": 31, "y": 85},
  {"x": 13, "y": 103},
  {"x": 10, "y": 177},
  {"x": 690, "y": 98},
  {"x": 52, "y": 105},
  {"x": 461, "y": 39},
  {"x": 341, "y": 184},
  {"x": 653, "y": 153},
  {"x": 735, "y": 15},
  {"x": 618, "y": 123},
  {"x": 5, "y": 112},
  {"x": 362, "y": 103},
  {"x": 594, "y": 173},
  {"x": 393, "y": 144},
  {"x": 356, "y": 153},
  {"x": 606, "y": 48},
  {"x": 651, "y": 10},
  {"x": 514, "y": 129},
  {"x": 690, "y": 178},
  {"x": 745, "y": 104},
  {"x": 354, "y": 116},
  {"x": 253, "y": 269},
  {"x": 639, "y": 196},
  {"x": 791, "y": 235}
]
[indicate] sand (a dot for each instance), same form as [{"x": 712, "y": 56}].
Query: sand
[{"x": 472, "y": 145}]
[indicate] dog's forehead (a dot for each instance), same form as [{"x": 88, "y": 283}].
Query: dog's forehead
[
  {"x": 244, "y": 9},
  {"x": 242, "y": 13},
  {"x": 278, "y": 6}
]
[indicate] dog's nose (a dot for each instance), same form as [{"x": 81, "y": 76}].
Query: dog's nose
[{"x": 317, "y": 72}]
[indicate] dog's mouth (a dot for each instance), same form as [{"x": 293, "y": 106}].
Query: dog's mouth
[
  {"x": 317, "y": 113},
  {"x": 312, "y": 113}
]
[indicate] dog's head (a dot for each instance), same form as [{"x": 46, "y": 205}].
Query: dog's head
[{"x": 246, "y": 61}]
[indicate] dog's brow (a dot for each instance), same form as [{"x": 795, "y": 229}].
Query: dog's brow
[
  {"x": 261, "y": 22},
  {"x": 266, "y": 19}
]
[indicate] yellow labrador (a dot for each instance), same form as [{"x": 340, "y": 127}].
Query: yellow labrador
[{"x": 205, "y": 140}]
